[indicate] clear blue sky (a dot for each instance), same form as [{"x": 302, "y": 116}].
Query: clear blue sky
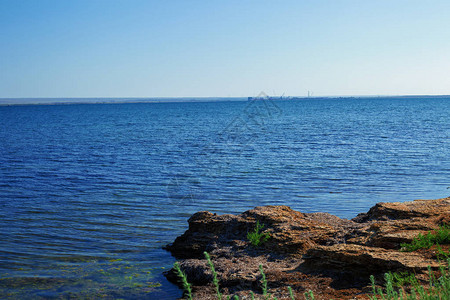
[{"x": 129, "y": 48}]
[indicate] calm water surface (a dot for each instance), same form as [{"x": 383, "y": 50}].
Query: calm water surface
[{"x": 90, "y": 193}]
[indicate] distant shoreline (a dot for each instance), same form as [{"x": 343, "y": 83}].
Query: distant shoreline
[
  {"x": 69, "y": 101},
  {"x": 72, "y": 101}
]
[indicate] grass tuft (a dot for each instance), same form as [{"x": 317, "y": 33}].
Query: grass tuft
[
  {"x": 442, "y": 255},
  {"x": 309, "y": 295},
  {"x": 438, "y": 288},
  {"x": 439, "y": 236},
  {"x": 400, "y": 279},
  {"x": 256, "y": 237}
]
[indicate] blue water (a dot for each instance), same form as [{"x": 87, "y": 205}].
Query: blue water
[{"x": 90, "y": 193}]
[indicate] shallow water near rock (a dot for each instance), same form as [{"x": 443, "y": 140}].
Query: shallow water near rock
[{"x": 89, "y": 194}]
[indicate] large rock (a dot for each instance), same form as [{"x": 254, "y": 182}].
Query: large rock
[
  {"x": 291, "y": 232},
  {"x": 406, "y": 210},
  {"x": 367, "y": 260},
  {"x": 331, "y": 256},
  {"x": 387, "y": 225}
]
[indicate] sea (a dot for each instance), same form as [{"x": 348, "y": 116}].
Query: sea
[{"x": 91, "y": 192}]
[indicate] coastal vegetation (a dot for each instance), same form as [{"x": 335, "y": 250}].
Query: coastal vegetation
[
  {"x": 266, "y": 296},
  {"x": 407, "y": 287},
  {"x": 184, "y": 281},
  {"x": 257, "y": 237},
  {"x": 398, "y": 286},
  {"x": 400, "y": 279},
  {"x": 438, "y": 237},
  {"x": 214, "y": 273}
]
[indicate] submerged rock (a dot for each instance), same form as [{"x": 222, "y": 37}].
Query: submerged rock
[{"x": 333, "y": 257}]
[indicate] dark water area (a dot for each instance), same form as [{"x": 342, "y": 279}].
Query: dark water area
[{"x": 89, "y": 194}]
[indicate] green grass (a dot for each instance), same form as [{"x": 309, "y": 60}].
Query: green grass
[
  {"x": 256, "y": 237},
  {"x": 439, "y": 236},
  {"x": 214, "y": 273},
  {"x": 188, "y": 288},
  {"x": 398, "y": 286},
  {"x": 184, "y": 281},
  {"x": 400, "y": 279},
  {"x": 442, "y": 254},
  {"x": 309, "y": 295},
  {"x": 291, "y": 293},
  {"x": 263, "y": 282},
  {"x": 437, "y": 289}
]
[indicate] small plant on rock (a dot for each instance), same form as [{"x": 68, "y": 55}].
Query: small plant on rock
[
  {"x": 214, "y": 274},
  {"x": 256, "y": 237},
  {"x": 263, "y": 282},
  {"x": 183, "y": 278}
]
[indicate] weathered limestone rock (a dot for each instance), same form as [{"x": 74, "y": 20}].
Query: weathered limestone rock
[
  {"x": 331, "y": 256},
  {"x": 407, "y": 210},
  {"x": 291, "y": 232},
  {"x": 367, "y": 260}
]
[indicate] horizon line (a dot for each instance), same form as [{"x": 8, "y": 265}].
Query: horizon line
[
  {"x": 217, "y": 97},
  {"x": 122, "y": 100}
]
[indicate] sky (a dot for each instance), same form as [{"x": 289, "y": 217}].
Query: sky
[{"x": 133, "y": 48}]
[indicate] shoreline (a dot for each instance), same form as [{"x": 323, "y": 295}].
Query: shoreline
[{"x": 320, "y": 252}]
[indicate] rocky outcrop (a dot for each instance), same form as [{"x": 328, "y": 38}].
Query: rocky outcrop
[
  {"x": 320, "y": 252},
  {"x": 291, "y": 232}
]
